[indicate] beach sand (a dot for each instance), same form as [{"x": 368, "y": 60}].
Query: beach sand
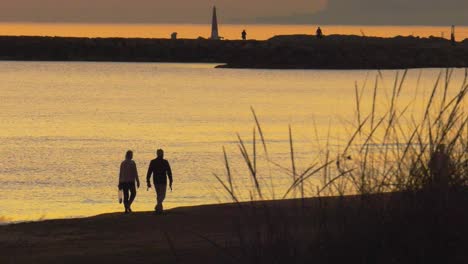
[
  {"x": 183, "y": 235},
  {"x": 213, "y": 233}
]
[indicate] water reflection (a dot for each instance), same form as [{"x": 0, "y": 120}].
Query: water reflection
[{"x": 65, "y": 125}]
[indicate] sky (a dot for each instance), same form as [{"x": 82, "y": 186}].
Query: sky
[{"x": 362, "y": 12}]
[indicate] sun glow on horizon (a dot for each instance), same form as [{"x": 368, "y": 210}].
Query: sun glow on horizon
[{"x": 228, "y": 31}]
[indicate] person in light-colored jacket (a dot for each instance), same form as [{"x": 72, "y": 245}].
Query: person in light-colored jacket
[{"x": 127, "y": 177}]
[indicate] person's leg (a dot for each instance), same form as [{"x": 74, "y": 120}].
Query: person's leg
[
  {"x": 132, "y": 190},
  {"x": 161, "y": 195},
  {"x": 158, "y": 194},
  {"x": 126, "y": 196},
  {"x": 158, "y": 191}
]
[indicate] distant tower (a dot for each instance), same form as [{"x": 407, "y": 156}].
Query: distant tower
[
  {"x": 214, "y": 25},
  {"x": 452, "y": 35}
]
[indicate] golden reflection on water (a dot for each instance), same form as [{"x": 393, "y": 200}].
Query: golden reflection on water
[
  {"x": 66, "y": 127},
  {"x": 228, "y": 31}
]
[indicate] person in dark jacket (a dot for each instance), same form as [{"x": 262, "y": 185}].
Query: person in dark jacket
[
  {"x": 441, "y": 169},
  {"x": 127, "y": 177},
  {"x": 160, "y": 169},
  {"x": 319, "y": 33}
]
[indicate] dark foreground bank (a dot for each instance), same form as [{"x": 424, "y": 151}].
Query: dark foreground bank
[
  {"x": 281, "y": 52},
  {"x": 387, "y": 228}
]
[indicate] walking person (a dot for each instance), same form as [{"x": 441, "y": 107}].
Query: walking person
[
  {"x": 441, "y": 170},
  {"x": 127, "y": 177},
  {"x": 452, "y": 36},
  {"x": 160, "y": 169},
  {"x": 244, "y": 35},
  {"x": 319, "y": 33}
]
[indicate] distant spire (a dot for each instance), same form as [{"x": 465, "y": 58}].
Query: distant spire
[
  {"x": 452, "y": 35},
  {"x": 214, "y": 25}
]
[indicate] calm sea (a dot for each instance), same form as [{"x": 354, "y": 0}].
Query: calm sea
[{"x": 65, "y": 127}]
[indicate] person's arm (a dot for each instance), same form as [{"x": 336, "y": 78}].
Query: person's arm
[
  {"x": 169, "y": 174},
  {"x": 148, "y": 174},
  {"x": 120, "y": 176},
  {"x": 136, "y": 175}
]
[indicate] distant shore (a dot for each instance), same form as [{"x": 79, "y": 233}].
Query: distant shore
[{"x": 280, "y": 52}]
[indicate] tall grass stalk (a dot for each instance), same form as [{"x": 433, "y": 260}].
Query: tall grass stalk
[{"x": 388, "y": 151}]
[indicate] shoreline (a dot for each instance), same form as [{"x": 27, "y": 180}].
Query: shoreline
[
  {"x": 177, "y": 208},
  {"x": 344, "y": 52}
]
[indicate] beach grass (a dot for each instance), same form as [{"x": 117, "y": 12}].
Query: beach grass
[{"x": 399, "y": 211}]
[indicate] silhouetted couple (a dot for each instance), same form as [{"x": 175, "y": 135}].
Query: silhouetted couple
[{"x": 159, "y": 168}]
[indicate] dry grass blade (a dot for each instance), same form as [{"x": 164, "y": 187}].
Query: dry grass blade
[
  {"x": 228, "y": 171},
  {"x": 291, "y": 149},
  {"x": 456, "y": 100},
  {"x": 459, "y": 99},
  {"x": 358, "y": 130},
  {"x": 402, "y": 82},
  {"x": 374, "y": 99},
  {"x": 254, "y": 150},
  {"x": 394, "y": 92},
  {"x": 431, "y": 98},
  {"x": 370, "y": 136},
  {"x": 284, "y": 169},
  {"x": 260, "y": 132},
  {"x": 231, "y": 193},
  {"x": 333, "y": 180},
  {"x": 448, "y": 77},
  {"x": 458, "y": 135},
  {"x": 305, "y": 177},
  {"x": 443, "y": 133},
  {"x": 247, "y": 160},
  {"x": 358, "y": 103}
]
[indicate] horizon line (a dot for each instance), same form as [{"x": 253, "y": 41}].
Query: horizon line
[{"x": 229, "y": 23}]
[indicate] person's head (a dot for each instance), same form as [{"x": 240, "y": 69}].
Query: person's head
[
  {"x": 441, "y": 148},
  {"x": 129, "y": 155},
  {"x": 160, "y": 153}
]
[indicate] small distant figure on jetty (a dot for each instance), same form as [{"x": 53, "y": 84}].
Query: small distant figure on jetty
[
  {"x": 244, "y": 35},
  {"x": 174, "y": 35},
  {"x": 440, "y": 167},
  {"x": 319, "y": 33},
  {"x": 160, "y": 169},
  {"x": 127, "y": 177},
  {"x": 452, "y": 35}
]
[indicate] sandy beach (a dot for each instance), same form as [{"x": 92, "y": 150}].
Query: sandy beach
[
  {"x": 183, "y": 235},
  {"x": 215, "y": 233}
]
